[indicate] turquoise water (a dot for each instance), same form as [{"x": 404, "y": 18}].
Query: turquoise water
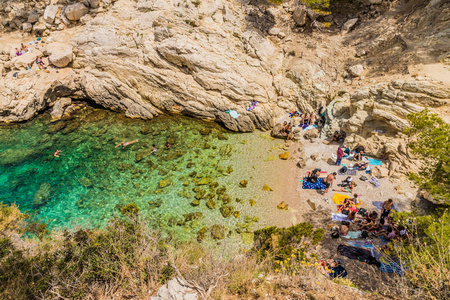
[{"x": 92, "y": 179}]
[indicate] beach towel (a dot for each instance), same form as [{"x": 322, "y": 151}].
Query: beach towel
[
  {"x": 339, "y": 199},
  {"x": 379, "y": 205},
  {"x": 348, "y": 172},
  {"x": 309, "y": 127},
  {"x": 352, "y": 235},
  {"x": 374, "y": 162},
  {"x": 360, "y": 254},
  {"x": 392, "y": 267},
  {"x": 319, "y": 185},
  {"x": 338, "y": 217},
  {"x": 361, "y": 244},
  {"x": 234, "y": 114},
  {"x": 374, "y": 181}
]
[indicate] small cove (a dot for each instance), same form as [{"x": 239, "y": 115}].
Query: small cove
[{"x": 88, "y": 184}]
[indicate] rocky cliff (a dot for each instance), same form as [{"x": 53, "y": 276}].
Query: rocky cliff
[{"x": 202, "y": 58}]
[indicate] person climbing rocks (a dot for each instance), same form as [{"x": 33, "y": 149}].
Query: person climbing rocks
[
  {"x": 340, "y": 155},
  {"x": 124, "y": 144}
]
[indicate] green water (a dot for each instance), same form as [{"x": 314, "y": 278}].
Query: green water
[{"x": 92, "y": 179}]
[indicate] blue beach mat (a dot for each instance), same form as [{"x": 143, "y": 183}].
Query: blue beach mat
[
  {"x": 374, "y": 162},
  {"x": 361, "y": 244},
  {"x": 319, "y": 185},
  {"x": 392, "y": 267}
]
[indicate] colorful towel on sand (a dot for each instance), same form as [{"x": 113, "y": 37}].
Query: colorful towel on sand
[
  {"x": 348, "y": 173},
  {"x": 374, "y": 162},
  {"x": 361, "y": 244},
  {"x": 379, "y": 205},
  {"x": 319, "y": 185},
  {"x": 339, "y": 199},
  {"x": 352, "y": 235},
  {"x": 392, "y": 267},
  {"x": 338, "y": 217}
]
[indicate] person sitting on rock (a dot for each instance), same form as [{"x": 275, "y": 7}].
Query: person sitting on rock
[
  {"x": 305, "y": 119},
  {"x": 18, "y": 52},
  {"x": 335, "y": 137},
  {"x": 124, "y": 144},
  {"x": 342, "y": 136},
  {"x": 24, "y": 48}
]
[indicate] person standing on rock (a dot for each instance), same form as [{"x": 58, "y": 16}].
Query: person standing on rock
[{"x": 340, "y": 155}]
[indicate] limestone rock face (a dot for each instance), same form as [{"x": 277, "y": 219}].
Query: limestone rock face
[
  {"x": 60, "y": 54},
  {"x": 349, "y": 25},
  {"x": 33, "y": 17},
  {"x": 299, "y": 15},
  {"x": 175, "y": 288},
  {"x": 59, "y": 107},
  {"x": 27, "y": 27},
  {"x": 74, "y": 12},
  {"x": 50, "y": 13}
]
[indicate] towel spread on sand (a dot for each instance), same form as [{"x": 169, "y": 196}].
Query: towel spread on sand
[
  {"x": 338, "y": 217},
  {"x": 379, "y": 205},
  {"x": 361, "y": 244},
  {"x": 319, "y": 185},
  {"x": 374, "y": 162},
  {"x": 352, "y": 235},
  {"x": 339, "y": 199},
  {"x": 234, "y": 114}
]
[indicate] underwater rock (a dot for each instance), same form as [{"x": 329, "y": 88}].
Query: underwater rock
[
  {"x": 200, "y": 194},
  {"x": 266, "y": 188},
  {"x": 42, "y": 195},
  {"x": 217, "y": 232},
  {"x": 16, "y": 156},
  {"x": 143, "y": 154},
  {"x": 284, "y": 155},
  {"x": 164, "y": 183},
  {"x": 154, "y": 203},
  {"x": 221, "y": 191},
  {"x": 205, "y": 131},
  {"x": 186, "y": 183},
  {"x": 214, "y": 184},
  {"x": 226, "y": 210},
  {"x": 225, "y": 198},
  {"x": 222, "y": 137},
  {"x": 190, "y": 165},
  {"x": 124, "y": 166},
  {"x": 243, "y": 183},
  {"x": 162, "y": 172},
  {"x": 146, "y": 130},
  {"x": 192, "y": 216},
  {"x": 247, "y": 237},
  {"x": 57, "y": 127},
  {"x": 249, "y": 220},
  {"x": 238, "y": 200},
  {"x": 71, "y": 127},
  {"x": 206, "y": 146},
  {"x": 86, "y": 182},
  {"x": 229, "y": 170},
  {"x": 201, "y": 234},
  {"x": 195, "y": 203},
  {"x": 196, "y": 189},
  {"x": 282, "y": 206},
  {"x": 211, "y": 204},
  {"x": 204, "y": 181},
  {"x": 252, "y": 202},
  {"x": 236, "y": 214},
  {"x": 270, "y": 158},
  {"x": 225, "y": 150},
  {"x": 193, "y": 174},
  {"x": 172, "y": 156}
]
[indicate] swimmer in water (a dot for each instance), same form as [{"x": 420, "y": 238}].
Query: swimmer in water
[
  {"x": 57, "y": 153},
  {"x": 167, "y": 145},
  {"x": 154, "y": 149},
  {"x": 124, "y": 144}
]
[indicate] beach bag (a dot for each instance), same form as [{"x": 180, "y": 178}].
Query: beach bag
[
  {"x": 313, "y": 179},
  {"x": 345, "y": 211},
  {"x": 364, "y": 234},
  {"x": 335, "y": 235},
  {"x": 343, "y": 169},
  {"x": 363, "y": 178}
]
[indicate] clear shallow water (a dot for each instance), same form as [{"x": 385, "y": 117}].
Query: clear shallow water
[{"x": 92, "y": 179}]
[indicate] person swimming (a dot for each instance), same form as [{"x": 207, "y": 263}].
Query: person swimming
[
  {"x": 124, "y": 144},
  {"x": 57, "y": 153},
  {"x": 167, "y": 145},
  {"x": 154, "y": 149}
]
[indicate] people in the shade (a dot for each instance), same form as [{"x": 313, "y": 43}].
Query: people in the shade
[
  {"x": 154, "y": 149},
  {"x": 167, "y": 145},
  {"x": 124, "y": 144},
  {"x": 57, "y": 153},
  {"x": 335, "y": 137}
]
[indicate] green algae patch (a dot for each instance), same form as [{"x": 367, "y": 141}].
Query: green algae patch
[
  {"x": 270, "y": 158},
  {"x": 283, "y": 206},
  {"x": 226, "y": 210},
  {"x": 267, "y": 137},
  {"x": 247, "y": 238},
  {"x": 217, "y": 232},
  {"x": 164, "y": 183},
  {"x": 267, "y": 188}
]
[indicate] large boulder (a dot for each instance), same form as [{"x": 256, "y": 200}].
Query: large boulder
[
  {"x": 50, "y": 13},
  {"x": 356, "y": 70},
  {"x": 60, "y": 54},
  {"x": 299, "y": 15},
  {"x": 33, "y": 17},
  {"x": 27, "y": 27},
  {"x": 349, "y": 25},
  {"x": 311, "y": 133},
  {"x": 25, "y": 59},
  {"x": 74, "y": 12}
]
